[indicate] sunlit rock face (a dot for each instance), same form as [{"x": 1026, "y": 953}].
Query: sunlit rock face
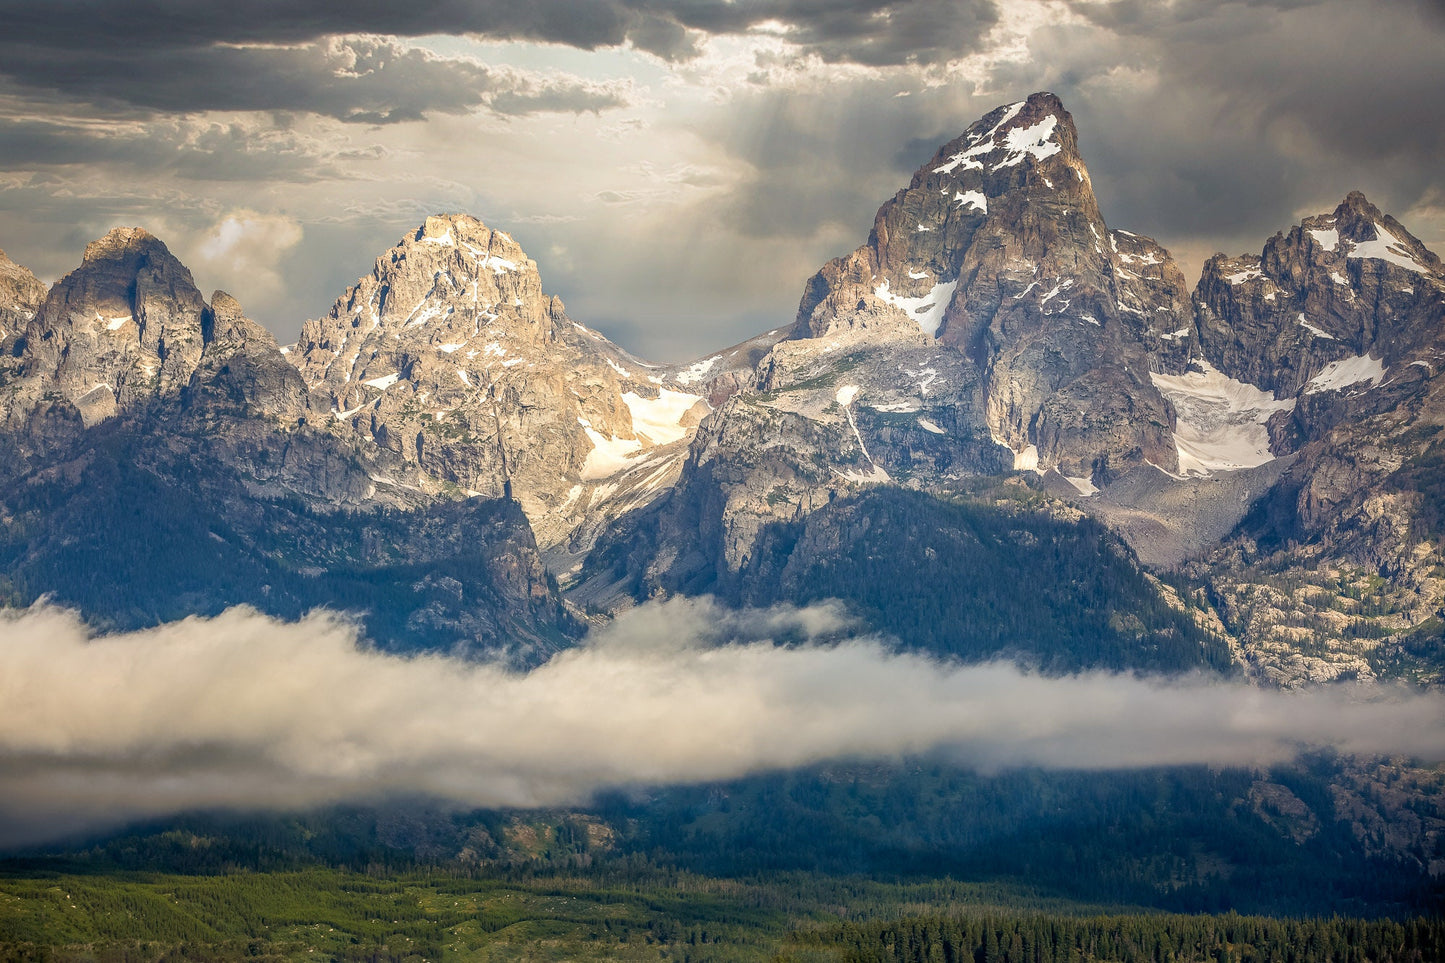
[
  {"x": 991, "y": 322},
  {"x": 997, "y": 260},
  {"x": 122, "y": 328},
  {"x": 20, "y": 296},
  {"x": 450, "y": 355}
]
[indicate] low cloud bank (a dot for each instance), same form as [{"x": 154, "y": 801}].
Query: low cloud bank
[{"x": 245, "y": 711}]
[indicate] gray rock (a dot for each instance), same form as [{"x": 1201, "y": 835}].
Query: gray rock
[{"x": 450, "y": 356}]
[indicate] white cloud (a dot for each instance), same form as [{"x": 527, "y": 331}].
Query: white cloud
[
  {"x": 245, "y": 248},
  {"x": 245, "y": 711}
]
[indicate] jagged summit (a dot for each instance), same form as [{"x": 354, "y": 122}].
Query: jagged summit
[
  {"x": 920, "y": 239},
  {"x": 125, "y": 325},
  {"x": 451, "y": 355},
  {"x": 1365, "y": 233},
  {"x": 997, "y": 251},
  {"x": 121, "y": 239},
  {"x": 441, "y": 285},
  {"x": 1352, "y": 283},
  {"x": 21, "y": 293}
]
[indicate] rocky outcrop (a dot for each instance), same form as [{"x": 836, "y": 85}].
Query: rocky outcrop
[
  {"x": 1340, "y": 320},
  {"x": 997, "y": 251},
  {"x": 20, "y": 296},
  {"x": 1335, "y": 287},
  {"x": 992, "y": 322},
  {"x": 122, "y": 328},
  {"x": 450, "y": 356}
]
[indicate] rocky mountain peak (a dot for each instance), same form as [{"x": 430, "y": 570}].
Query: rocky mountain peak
[
  {"x": 125, "y": 325},
  {"x": 242, "y": 375},
  {"x": 910, "y": 267},
  {"x": 451, "y": 356},
  {"x": 450, "y": 282},
  {"x": 227, "y": 322},
  {"x": 1349, "y": 284},
  {"x": 997, "y": 252},
  {"x": 119, "y": 240}
]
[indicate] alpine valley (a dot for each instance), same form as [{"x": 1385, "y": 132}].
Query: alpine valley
[{"x": 1000, "y": 428}]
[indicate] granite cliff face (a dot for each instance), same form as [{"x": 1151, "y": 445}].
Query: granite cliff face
[
  {"x": 1338, "y": 322},
  {"x": 997, "y": 253},
  {"x": 20, "y": 295},
  {"x": 222, "y": 480},
  {"x": 1336, "y": 286},
  {"x": 450, "y": 356},
  {"x": 1273, "y": 434},
  {"x": 992, "y": 322},
  {"x": 120, "y": 329}
]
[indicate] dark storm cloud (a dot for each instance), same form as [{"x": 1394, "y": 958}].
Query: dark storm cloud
[
  {"x": 213, "y": 152},
  {"x": 359, "y": 79},
  {"x": 860, "y": 31},
  {"x": 874, "y": 33},
  {"x": 177, "y": 55},
  {"x": 175, "y": 24},
  {"x": 1361, "y": 79},
  {"x": 1255, "y": 112}
]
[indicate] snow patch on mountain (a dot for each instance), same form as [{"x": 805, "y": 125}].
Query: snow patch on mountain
[
  {"x": 697, "y": 371},
  {"x": 1317, "y": 332},
  {"x": 1221, "y": 421},
  {"x": 973, "y": 199},
  {"x": 1037, "y": 140},
  {"x": 659, "y": 420},
  {"x": 384, "y": 382},
  {"x": 1346, "y": 372},
  {"x": 967, "y": 159},
  {"x": 609, "y": 455},
  {"x": 1387, "y": 247},
  {"x": 927, "y": 310}
]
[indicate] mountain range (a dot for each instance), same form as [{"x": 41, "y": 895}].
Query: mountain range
[{"x": 994, "y": 378}]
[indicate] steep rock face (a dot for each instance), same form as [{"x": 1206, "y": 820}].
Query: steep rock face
[
  {"x": 20, "y": 296},
  {"x": 247, "y": 410},
  {"x": 998, "y": 251},
  {"x": 1340, "y": 322},
  {"x": 1153, "y": 293},
  {"x": 243, "y": 371},
  {"x": 122, "y": 328},
  {"x": 1334, "y": 287},
  {"x": 992, "y": 322},
  {"x": 450, "y": 356}
]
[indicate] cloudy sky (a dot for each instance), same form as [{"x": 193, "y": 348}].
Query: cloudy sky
[{"x": 678, "y": 168}]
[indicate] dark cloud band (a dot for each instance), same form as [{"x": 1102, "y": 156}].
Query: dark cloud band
[{"x": 360, "y": 79}]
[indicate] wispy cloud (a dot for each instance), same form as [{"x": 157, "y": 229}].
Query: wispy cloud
[{"x": 245, "y": 711}]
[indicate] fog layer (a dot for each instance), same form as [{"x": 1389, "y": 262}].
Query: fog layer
[{"x": 245, "y": 711}]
